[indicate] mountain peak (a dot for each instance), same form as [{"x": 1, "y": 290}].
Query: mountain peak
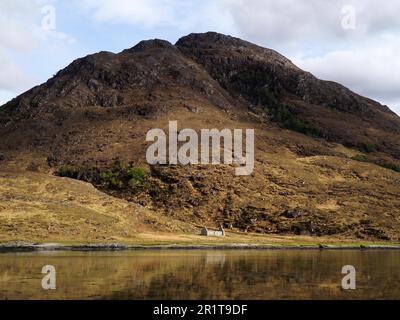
[
  {"x": 219, "y": 69},
  {"x": 231, "y": 47},
  {"x": 151, "y": 44},
  {"x": 208, "y": 39}
]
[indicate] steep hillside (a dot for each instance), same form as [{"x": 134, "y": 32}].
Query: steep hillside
[
  {"x": 326, "y": 158},
  {"x": 272, "y": 83}
]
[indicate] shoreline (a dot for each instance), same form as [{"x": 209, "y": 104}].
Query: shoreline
[{"x": 107, "y": 247}]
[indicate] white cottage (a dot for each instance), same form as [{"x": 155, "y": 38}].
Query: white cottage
[{"x": 213, "y": 233}]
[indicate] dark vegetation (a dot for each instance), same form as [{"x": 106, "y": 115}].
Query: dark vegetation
[
  {"x": 360, "y": 158},
  {"x": 260, "y": 88},
  {"x": 382, "y": 163},
  {"x": 264, "y": 90},
  {"x": 363, "y": 147},
  {"x": 119, "y": 177},
  {"x": 388, "y": 165}
]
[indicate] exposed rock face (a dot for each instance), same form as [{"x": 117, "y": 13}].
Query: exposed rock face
[
  {"x": 145, "y": 72},
  {"x": 97, "y": 111},
  {"x": 158, "y": 73},
  {"x": 263, "y": 75}
]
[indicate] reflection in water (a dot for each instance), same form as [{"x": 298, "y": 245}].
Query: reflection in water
[{"x": 270, "y": 274}]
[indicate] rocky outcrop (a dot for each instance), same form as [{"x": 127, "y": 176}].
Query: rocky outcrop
[
  {"x": 268, "y": 80},
  {"x": 317, "y": 178}
]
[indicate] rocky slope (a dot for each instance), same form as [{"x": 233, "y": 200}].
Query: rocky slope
[
  {"x": 267, "y": 79},
  {"x": 326, "y": 158}
]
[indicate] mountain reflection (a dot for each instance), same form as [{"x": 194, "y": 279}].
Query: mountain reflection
[{"x": 254, "y": 274}]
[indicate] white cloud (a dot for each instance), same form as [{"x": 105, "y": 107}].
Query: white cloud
[
  {"x": 11, "y": 76},
  {"x": 146, "y": 13},
  {"x": 293, "y": 24},
  {"x": 21, "y": 33},
  {"x": 185, "y": 16},
  {"x": 14, "y": 34},
  {"x": 370, "y": 70}
]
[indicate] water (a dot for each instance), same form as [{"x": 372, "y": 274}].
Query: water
[{"x": 273, "y": 274}]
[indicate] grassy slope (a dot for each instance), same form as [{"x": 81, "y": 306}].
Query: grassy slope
[{"x": 42, "y": 208}]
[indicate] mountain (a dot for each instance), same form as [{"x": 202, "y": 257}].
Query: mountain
[
  {"x": 267, "y": 79},
  {"x": 327, "y": 159}
]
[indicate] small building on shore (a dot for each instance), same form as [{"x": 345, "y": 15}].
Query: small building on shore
[{"x": 213, "y": 232}]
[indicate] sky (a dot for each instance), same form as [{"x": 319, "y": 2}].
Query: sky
[{"x": 353, "y": 42}]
